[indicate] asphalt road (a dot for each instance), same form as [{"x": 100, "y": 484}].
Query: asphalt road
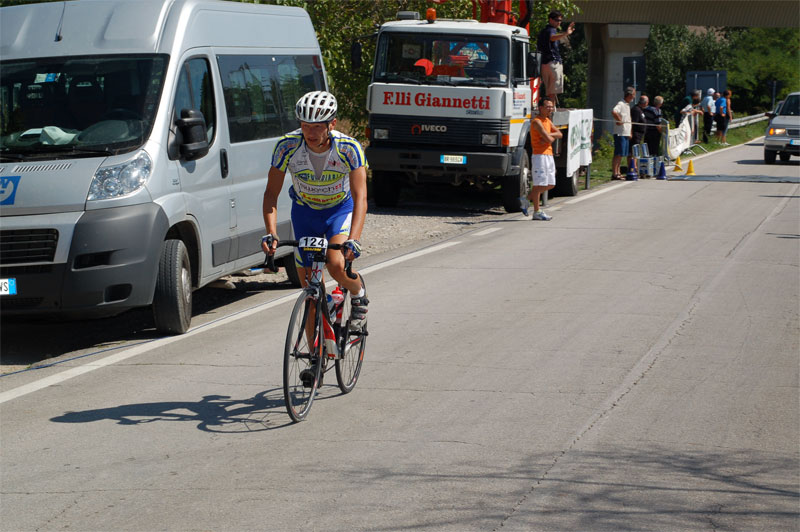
[{"x": 630, "y": 365}]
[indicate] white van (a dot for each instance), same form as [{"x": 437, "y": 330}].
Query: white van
[{"x": 135, "y": 139}]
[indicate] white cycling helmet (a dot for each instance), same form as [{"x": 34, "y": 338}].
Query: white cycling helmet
[{"x": 317, "y": 106}]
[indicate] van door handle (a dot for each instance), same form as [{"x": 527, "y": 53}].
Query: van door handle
[{"x": 223, "y": 163}]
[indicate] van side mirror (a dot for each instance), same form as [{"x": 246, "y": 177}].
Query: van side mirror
[
  {"x": 356, "y": 56},
  {"x": 192, "y": 126},
  {"x": 533, "y": 64}
]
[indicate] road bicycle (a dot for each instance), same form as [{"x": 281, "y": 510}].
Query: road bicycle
[{"x": 319, "y": 333}]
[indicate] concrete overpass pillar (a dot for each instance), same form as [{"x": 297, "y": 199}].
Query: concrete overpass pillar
[{"x": 608, "y": 44}]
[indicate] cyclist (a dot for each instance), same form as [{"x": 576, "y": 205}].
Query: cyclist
[{"x": 329, "y": 192}]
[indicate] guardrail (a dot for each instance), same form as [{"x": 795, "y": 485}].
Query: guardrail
[{"x": 744, "y": 121}]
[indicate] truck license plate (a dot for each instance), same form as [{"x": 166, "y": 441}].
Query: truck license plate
[
  {"x": 453, "y": 159},
  {"x": 8, "y": 287},
  {"x": 794, "y": 142}
]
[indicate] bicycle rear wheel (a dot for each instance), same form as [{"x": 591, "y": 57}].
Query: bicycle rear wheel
[
  {"x": 351, "y": 347},
  {"x": 303, "y": 348}
]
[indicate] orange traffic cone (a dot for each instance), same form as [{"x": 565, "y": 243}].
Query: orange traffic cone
[
  {"x": 690, "y": 169},
  {"x": 677, "y": 167}
]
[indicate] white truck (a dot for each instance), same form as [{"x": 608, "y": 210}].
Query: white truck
[{"x": 451, "y": 102}]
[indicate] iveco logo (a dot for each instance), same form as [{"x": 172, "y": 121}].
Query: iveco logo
[{"x": 417, "y": 129}]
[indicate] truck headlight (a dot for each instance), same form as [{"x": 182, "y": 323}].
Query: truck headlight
[
  {"x": 489, "y": 139},
  {"x": 120, "y": 179},
  {"x": 777, "y": 131},
  {"x": 381, "y": 134}
]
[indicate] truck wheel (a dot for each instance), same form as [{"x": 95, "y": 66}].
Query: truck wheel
[
  {"x": 291, "y": 270},
  {"x": 566, "y": 185},
  {"x": 517, "y": 185},
  {"x": 172, "y": 300},
  {"x": 385, "y": 189},
  {"x": 785, "y": 156},
  {"x": 769, "y": 156}
]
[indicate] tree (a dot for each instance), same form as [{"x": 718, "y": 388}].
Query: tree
[{"x": 757, "y": 57}]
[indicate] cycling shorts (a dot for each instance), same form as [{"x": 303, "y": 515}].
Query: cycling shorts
[{"x": 318, "y": 222}]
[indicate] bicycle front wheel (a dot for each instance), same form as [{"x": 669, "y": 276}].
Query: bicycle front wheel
[
  {"x": 351, "y": 347},
  {"x": 302, "y": 371}
]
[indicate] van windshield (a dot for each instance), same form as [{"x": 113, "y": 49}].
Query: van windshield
[
  {"x": 442, "y": 59},
  {"x": 78, "y": 106}
]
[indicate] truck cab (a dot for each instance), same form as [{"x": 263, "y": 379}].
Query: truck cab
[{"x": 450, "y": 102}]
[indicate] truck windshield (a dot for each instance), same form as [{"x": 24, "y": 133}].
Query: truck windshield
[
  {"x": 442, "y": 59},
  {"x": 78, "y": 106}
]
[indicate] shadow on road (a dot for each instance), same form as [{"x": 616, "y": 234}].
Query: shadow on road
[
  {"x": 651, "y": 487},
  {"x": 213, "y": 413}
]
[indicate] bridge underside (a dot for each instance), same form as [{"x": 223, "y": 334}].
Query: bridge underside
[{"x": 742, "y": 13}]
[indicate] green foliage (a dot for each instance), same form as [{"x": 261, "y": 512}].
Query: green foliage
[
  {"x": 752, "y": 57},
  {"x": 672, "y": 51},
  {"x": 759, "y": 56},
  {"x": 576, "y": 71}
]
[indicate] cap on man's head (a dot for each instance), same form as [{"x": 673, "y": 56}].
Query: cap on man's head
[{"x": 710, "y": 92}]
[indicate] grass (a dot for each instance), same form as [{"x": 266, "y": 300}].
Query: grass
[{"x": 601, "y": 157}]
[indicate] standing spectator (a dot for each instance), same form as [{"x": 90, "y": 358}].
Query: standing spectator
[
  {"x": 543, "y": 134},
  {"x": 721, "y": 118},
  {"x": 638, "y": 121},
  {"x": 652, "y": 136},
  {"x": 622, "y": 132},
  {"x": 547, "y": 43},
  {"x": 708, "y": 107}
]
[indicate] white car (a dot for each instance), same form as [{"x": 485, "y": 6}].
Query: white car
[{"x": 783, "y": 132}]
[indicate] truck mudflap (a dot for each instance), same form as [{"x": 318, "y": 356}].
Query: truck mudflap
[
  {"x": 439, "y": 165},
  {"x": 112, "y": 266}
]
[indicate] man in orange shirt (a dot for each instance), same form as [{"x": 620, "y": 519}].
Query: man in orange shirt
[{"x": 543, "y": 134}]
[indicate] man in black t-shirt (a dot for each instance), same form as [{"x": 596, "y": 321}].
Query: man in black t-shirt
[
  {"x": 638, "y": 123},
  {"x": 547, "y": 43}
]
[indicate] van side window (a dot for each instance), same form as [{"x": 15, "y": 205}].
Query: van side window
[
  {"x": 196, "y": 91},
  {"x": 261, "y": 91}
]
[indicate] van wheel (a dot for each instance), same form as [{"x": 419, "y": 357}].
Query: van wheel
[
  {"x": 566, "y": 185},
  {"x": 785, "y": 156},
  {"x": 385, "y": 189},
  {"x": 769, "y": 156},
  {"x": 518, "y": 185},
  {"x": 172, "y": 301},
  {"x": 291, "y": 270}
]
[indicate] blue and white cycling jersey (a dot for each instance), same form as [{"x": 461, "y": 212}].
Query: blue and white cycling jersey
[{"x": 333, "y": 186}]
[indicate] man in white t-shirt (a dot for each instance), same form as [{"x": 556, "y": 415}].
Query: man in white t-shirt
[
  {"x": 709, "y": 108},
  {"x": 622, "y": 132}
]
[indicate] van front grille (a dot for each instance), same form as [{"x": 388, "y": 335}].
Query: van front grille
[{"x": 18, "y": 246}]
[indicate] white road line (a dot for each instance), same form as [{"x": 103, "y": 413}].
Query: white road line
[
  {"x": 155, "y": 344},
  {"x": 486, "y": 231},
  {"x": 597, "y": 193}
]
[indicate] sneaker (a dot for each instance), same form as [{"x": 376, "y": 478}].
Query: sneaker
[
  {"x": 358, "y": 310},
  {"x": 541, "y": 216},
  {"x": 307, "y": 376},
  {"x": 524, "y": 204}
]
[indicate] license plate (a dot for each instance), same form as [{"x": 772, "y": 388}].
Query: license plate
[
  {"x": 794, "y": 142},
  {"x": 8, "y": 287},
  {"x": 453, "y": 159}
]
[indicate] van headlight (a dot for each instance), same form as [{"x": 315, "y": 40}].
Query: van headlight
[
  {"x": 120, "y": 179},
  {"x": 777, "y": 131}
]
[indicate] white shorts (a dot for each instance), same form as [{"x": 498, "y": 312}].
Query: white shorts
[{"x": 543, "y": 168}]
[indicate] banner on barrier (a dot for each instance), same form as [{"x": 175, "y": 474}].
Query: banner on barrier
[{"x": 680, "y": 138}]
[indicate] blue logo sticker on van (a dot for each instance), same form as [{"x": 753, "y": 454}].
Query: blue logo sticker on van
[{"x": 8, "y": 189}]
